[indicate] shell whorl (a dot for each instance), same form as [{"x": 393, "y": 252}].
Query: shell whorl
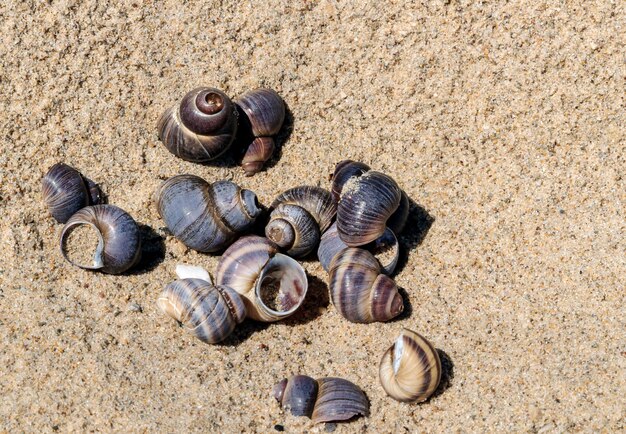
[
  {"x": 119, "y": 246},
  {"x": 206, "y": 217},
  {"x": 264, "y": 110},
  {"x": 358, "y": 289},
  {"x": 259, "y": 151},
  {"x": 65, "y": 191},
  {"x": 344, "y": 170},
  {"x": 200, "y": 128},
  {"x": 209, "y": 312},
  {"x": 410, "y": 370}
]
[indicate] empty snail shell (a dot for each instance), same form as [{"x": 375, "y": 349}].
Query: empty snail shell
[
  {"x": 119, "y": 241},
  {"x": 300, "y": 215},
  {"x": 410, "y": 369},
  {"x": 261, "y": 113},
  {"x": 200, "y": 128},
  {"x": 385, "y": 248},
  {"x": 344, "y": 170},
  {"x": 206, "y": 217},
  {"x": 209, "y": 312},
  {"x": 272, "y": 285},
  {"x": 323, "y": 400},
  {"x": 358, "y": 289},
  {"x": 65, "y": 191}
]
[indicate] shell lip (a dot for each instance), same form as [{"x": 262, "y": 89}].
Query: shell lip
[{"x": 98, "y": 261}]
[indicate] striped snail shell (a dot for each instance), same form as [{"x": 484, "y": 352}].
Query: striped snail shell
[
  {"x": 324, "y": 400},
  {"x": 65, "y": 191},
  {"x": 206, "y": 217},
  {"x": 273, "y": 285},
  {"x": 385, "y": 249},
  {"x": 345, "y": 170},
  {"x": 298, "y": 218},
  {"x": 119, "y": 241},
  {"x": 359, "y": 291},
  {"x": 261, "y": 114},
  {"x": 410, "y": 369},
  {"x": 209, "y": 312},
  {"x": 200, "y": 128}
]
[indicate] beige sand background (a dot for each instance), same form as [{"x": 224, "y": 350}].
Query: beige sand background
[{"x": 504, "y": 122}]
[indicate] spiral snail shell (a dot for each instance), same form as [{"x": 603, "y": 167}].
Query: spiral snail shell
[
  {"x": 410, "y": 369},
  {"x": 385, "y": 249},
  {"x": 273, "y": 285},
  {"x": 119, "y": 241},
  {"x": 200, "y": 128},
  {"x": 324, "y": 400},
  {"x": 209, "y": 312},
  {"x": 298, "y": 218},
  {"x": 206, "y": 217},
  {"x": 359, "y": 291},
  {"x": 261, "y": 115},
  {"x": 65, "y": 191}
]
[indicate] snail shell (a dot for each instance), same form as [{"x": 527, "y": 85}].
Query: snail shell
[
  {"x": 209, "y": 312},
  {"x": 262, "y": 113},
  {"x": 300, "y": 215},
  {"x": 273, "y": 285},
  {"x": 65, "y": 191},
  {"x": 323, "y": 400},
  {"x": 385, "y": 249},
  {"x": 410, "y": 369},
  {"x": 345, "y": 170},
  {"x": 358, "y": 289},
  {"x": 119, "y": 241},
  {"x": 206, "y": 217},
  {"x": 200, "y": 128}
]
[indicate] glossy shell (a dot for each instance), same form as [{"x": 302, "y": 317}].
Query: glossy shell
[
  {"x": 345, "y": 170},
  {"x": 298, "y": 218},
  {"x": 200, "y": 128},
  {"x": 206, "y": 217},
  {"x": 119, "y": 246},
  {"x": 359, "y": 291},
  {"x": 323, "y": 400},
  {"x": 65, "y": 191},
  {"x": 273, "y": 285},
  {"x": 385, "y": 249},
  {"x": 208, "y": 312},
  {"x": 259, "y": 151},
  {"x": 410, "y": 369}
]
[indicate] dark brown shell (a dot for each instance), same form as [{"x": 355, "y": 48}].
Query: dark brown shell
[
  {"x": 264, "y": 109},
  {"x": 345, "y": 170}
]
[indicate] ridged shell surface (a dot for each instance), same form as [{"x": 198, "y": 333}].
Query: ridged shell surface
[
  {"x": 265, "y": 111},
  {"x": 344, "y": 170},
  {"x": 64, "y": 191},
  {"x": 316, "y": 200}
]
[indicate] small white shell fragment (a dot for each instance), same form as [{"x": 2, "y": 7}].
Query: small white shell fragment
[{"x": 184, "y": 271}]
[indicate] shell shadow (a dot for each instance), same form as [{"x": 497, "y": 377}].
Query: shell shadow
[
  {"x": 417, "y": 226},
  {"x": 281, "y": 138},
  {"x": 408, "y": 307},
  {"x": 243, "y": 332},
  {"x": 447, "y": 373},
  {"x": 152, "y": 250},
  {"x": 317, "y": 297}
]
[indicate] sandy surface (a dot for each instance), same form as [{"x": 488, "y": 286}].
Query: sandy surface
[{"x": 505, "y": 123}]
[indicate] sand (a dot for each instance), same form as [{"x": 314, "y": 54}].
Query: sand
[{"x": 504, "y": 124}]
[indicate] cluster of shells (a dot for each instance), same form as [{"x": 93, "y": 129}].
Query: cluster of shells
[{"x": 353, "y": 226}]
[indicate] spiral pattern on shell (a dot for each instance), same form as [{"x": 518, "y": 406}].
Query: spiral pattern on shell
[
  {"x": 359, "y": 291},
  {"x": 206, "y": 217},
  {"x": 66, "y": 190},
  {"x": 410, "y": 370},
  {"x": 209, "y": 312},
  {"x": 200, "y": 128},
  {"x": 119, "y": 245},
  {"x": 324, "y": 400}
]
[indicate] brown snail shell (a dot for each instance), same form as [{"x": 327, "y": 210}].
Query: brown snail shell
[
  {"x": 66, "y": 190},
  {"x": 209, "y": 312},
  {"x": 206, "y": 217},
  {"x": 324, "y": 400},
  {"x": 299, "y": 217},
  {"x": 359, "y": 291},
  {"x": 261, "y": 113},
  {"x": 344, "y": 170},
  {"x": 273, "y": 285},
  {"x": 410, "y": 369},
  {"x": 200, "y": 128},
  {"x": 119, "y": 245}
]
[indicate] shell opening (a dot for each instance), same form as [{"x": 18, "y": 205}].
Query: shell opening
[
  {"x": 82, "y": 245},
  {"x": 282, "y": 286},
  {"x": 250, "y": 203}
]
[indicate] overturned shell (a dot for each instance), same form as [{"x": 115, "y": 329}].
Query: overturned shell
[
  {"x": 323, "y": 400},
  {"x": 359, "y": 291},
  {"x": 119, "y": 240},
  {"x": 299, "y": 217},
  {"x": 200, "y": 128},
  {"x": 259, "y": 151},
  {"x": 206, "y": 217},
  {"x": 273, "y": 285},
  {"x": 65, "y": 191},
  {"x": 385, "y": 249},
  {"x": 209, "y": 312},
  {"x": 410, "y": 369}
]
